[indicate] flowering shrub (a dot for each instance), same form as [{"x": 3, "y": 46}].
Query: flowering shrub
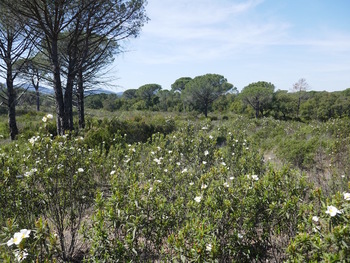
[
  {"x": 324, "y": 234},
  {"x": 201, "y": 192},
  {"x": 185, "y": 197}
]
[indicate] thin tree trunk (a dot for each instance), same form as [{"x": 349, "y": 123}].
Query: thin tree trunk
[
  {"x": 257, "y": 110},
  {"x": 57, "y": 84},
  {"x": 68, "y": 103},
  {"x": 80, "y": 95},
  {"x": 11, "y": 103},
  {"x": 37, "y": 100},
  {"x": 11, "y": 106},
  {"x": 37, "y": 94}
]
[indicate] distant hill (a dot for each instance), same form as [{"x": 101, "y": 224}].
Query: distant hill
[
  {"x": 50, "y": 91},
  {"x": 99, "y": 91},
  {"x": 42, "y": 90}
]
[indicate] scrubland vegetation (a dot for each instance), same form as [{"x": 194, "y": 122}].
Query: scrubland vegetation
[
  {"x": 143, "y": 186},
  {"x": 198, "y": 173}
]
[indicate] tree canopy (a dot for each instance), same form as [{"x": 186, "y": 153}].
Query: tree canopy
[
  {"x": 148, "y": 92},
  {"x": 76, "y": 36},
  {"x": 202, "y": 91},
  {"x": 258, "y": 95}
]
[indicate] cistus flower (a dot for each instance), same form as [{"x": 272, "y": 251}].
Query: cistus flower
[
  {"x": 18, "y": 237},
  {"x": 198, "y": 199},
  {"x": 208, "y": 247},
  {"x": 332, "y": 211},
  {"x": 346, "y": 196},
  {"x": 21, "y": 255},
  {"x": 255, "y": 177}
]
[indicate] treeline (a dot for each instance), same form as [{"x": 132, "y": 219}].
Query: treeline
[{"x": 255, "y": 100}]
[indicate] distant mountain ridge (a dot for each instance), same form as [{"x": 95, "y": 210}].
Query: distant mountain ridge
[{"x": 49, "y": 91}]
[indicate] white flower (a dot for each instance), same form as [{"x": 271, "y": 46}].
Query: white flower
[
  {"x": 332, "y": 211},
  {"x": 240, "y": 236},
  {"x": 158, "y": 181},
  {"x": 44, "y": 119},
  {"x": 231, "y": 178},
  {"x": 206, "y": 152},
  {"x": 223, "y": 163},
  {"x": 49, "y": 116},
  {"x": 198, "y": 199},
  {"x": 18, "y": 237},
  {"x": 315, "y": 218},
  {"x": 208, "y": 247},
  {"x": 204, "y": 186},
  {"x": 191, "y": 183},
  {"x": 166, "y": 170},
  {"x": 158, "y": 161},
  {"x": 204, "y": 162},
  {"x": 226, "y": 184},
  {"x": 205, "y": 128},
  {"x": 346, "y": 196},
  {"x": 255, "y": 177},
  {"x": 184, "y": 171},
  {"x": 178, "y": 163},
  {"x": 33, "y": 139},
  {"x": 112, "y": 172},
  {"x": 10, "y": 242},
  {"x": 211, "y": 137},
  {"x": 80, "y": 170},
  {"x": 21, "y": 255}
]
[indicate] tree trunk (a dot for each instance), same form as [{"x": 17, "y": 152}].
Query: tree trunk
[
  {"x": 299, "y": 102},
  {"x": 257, "y": 110},
  {"x": 68, "y": 103},
  {"x": 37, "y": 100},
  {"x": 57, "y": 85},
  {"x": 11, "y": 103},
  {"x": 206, "y": 110},
  {"x": 80, "y": 95},
  {"x": 37, "y": 94},
  {"x": 11, "y": 106}
]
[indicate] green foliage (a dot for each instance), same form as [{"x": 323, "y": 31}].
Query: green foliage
[
  {"x": 148, "y": 93},
  {"x": 180, "y": 84},
  {"x": 183, "y": 198},
  {"x": 323, "y": 236},
  {"x": 258, "y": 95},
  {"x": 149, "y": 187},
  {"x": 202, "y": 91}
]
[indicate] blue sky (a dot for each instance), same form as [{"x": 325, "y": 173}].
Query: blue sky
[{"x": 279, "y": 41}]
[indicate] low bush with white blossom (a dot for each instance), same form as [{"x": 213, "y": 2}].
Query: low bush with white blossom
[{"x": 202, "y": 192}]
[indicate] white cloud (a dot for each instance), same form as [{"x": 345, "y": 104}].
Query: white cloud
[{"x": 205, "y": 30}]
